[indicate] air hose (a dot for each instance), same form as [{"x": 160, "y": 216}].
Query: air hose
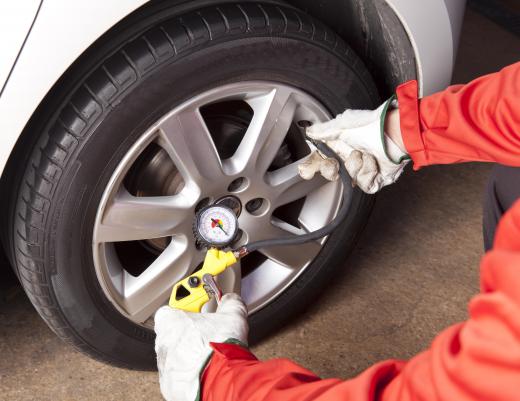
[{"x": 317, "y": 234}]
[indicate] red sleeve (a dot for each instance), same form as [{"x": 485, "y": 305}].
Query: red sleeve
[
  {"x": 234, "y": 374},
  {"x": 475, "y": 360},
  {"x": 479, "y": 121}
]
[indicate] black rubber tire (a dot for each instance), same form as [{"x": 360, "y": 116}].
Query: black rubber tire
[{"x": 95, "y": 124}]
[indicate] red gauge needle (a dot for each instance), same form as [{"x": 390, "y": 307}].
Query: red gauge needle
[{"x": 217, "y": 223}]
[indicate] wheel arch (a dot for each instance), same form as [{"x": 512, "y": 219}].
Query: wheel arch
[
  {"x": 371, "y": 28},
  {"x": 375, "y": 32}
]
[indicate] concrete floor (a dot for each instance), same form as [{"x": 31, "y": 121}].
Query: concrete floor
[{"x": 412, "y": 274}]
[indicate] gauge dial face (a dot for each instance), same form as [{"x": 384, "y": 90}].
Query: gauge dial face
[{"x": 217, "y": 225}]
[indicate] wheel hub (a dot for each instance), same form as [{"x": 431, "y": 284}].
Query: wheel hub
[{"x": 231, "y": 202}]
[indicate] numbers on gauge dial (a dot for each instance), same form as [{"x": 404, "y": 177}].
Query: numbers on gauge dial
[{"x": 217, "y": 225}]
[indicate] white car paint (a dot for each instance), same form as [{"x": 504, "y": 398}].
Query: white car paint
[
  {"x": 64, "y": 29},
  {"x": 433, "y": 27},
  {"x": 16, "y": 18}
]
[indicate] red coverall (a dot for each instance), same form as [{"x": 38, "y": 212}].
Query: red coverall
[{"x": 475, "y": 360}]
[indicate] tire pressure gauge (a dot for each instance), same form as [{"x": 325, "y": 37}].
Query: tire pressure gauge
[{"x": 215, "y": 226}]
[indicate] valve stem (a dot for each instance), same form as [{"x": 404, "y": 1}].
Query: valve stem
[{"x": 240, "y": 252}]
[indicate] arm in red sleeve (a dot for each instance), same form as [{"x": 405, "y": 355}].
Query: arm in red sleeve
[
  {"x": 234, "y": 374},
  {"x": 479, "y": 121},
  {"x": 475, "y": 360}
]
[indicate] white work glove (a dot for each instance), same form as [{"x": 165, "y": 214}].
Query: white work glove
[
  {"x": 371, "y": 158},
  {"x": 316, "y": 162},
  {"x": 182, "y": 343}
]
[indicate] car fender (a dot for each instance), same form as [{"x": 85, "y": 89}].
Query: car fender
[
  {"x": 433, "y": 27},
  {"x": 62, "y": 31}
]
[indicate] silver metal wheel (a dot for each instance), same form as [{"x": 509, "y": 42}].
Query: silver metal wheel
[{"x": 142, "y": 238}]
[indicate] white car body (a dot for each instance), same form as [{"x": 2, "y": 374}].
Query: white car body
[{"x": 41, "y": 39}]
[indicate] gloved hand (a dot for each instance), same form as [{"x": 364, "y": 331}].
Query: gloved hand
[
  {"x": 371, "y": 158},
  {"x": 182, "y": 343},
  {"x": 315, "y": 163}
]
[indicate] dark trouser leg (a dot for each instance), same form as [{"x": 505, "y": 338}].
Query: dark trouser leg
[{"x": 502, "y": 191}]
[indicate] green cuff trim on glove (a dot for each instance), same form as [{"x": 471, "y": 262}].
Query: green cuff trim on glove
[
  {"x": 236, "y": 342},
  {"x": 383, "y": 141},
  {"x": 206, "y": 363}
]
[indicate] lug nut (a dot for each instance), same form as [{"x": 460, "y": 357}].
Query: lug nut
[
  {"x": 193, "y": 282},
  {"x": 202, "y": 203},
  {"x": 304, "y": 123},
  {"x": 254, "y": 204},
  {"x": 236, "y": 184}
]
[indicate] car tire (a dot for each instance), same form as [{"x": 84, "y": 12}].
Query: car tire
[{"x": 142, "y": 77}]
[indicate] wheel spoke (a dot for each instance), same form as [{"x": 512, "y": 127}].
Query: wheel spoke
[
  {"x": 260, "y": 285},
  {"x": 287, "y": 185},
  {"x": 130, "y": 218},
  {"x": 187, "y": 142},
  {"x": 186, "y": 139},
  {"x": 273, "y": 115},
  {"x": 144, "y": 294},
  {"x": 294, "y": 256},
  {"x": 230, "y": 279}
]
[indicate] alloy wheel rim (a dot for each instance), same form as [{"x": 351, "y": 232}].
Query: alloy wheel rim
[{"x": 166, "y": 221}]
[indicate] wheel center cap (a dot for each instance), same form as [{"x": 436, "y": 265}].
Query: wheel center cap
[{"x": 231, "y": 202}]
